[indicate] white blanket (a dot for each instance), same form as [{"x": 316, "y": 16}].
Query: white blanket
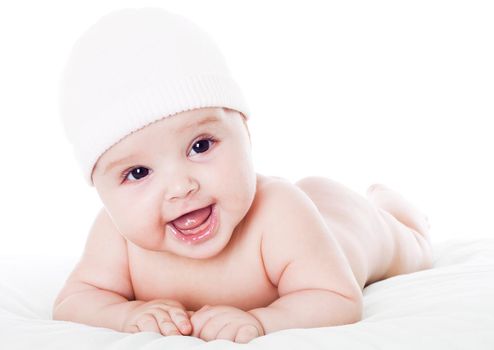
[{"x": 448, "y": 307}]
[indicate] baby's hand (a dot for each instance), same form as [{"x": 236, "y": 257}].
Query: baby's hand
[
  {"x": 225, "y": 322},
  {"x": 167, "y": 317}
]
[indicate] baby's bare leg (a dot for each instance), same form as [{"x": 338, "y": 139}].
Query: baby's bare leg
[
  {"x": 409, "y": 227},
  {"x": 381, "y": 237}
]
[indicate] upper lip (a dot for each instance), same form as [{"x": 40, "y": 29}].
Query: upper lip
[{"x": 188, "y": 211}]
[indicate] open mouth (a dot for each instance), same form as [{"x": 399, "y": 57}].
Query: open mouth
[{"x": 195, "y": 227}]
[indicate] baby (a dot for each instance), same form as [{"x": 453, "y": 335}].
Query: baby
[{"x": 190, "y": 240}]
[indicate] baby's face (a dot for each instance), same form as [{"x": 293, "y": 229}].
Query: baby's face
[{"x": 168, "y": 169}]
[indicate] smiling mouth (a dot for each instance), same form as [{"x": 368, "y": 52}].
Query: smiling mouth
[
  {"x": 192, "y": 222},
  {"x": 201, "y": 231}
]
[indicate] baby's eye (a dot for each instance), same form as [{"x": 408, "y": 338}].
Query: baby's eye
[
  {"x": 202, "y": 145},
  {"x": 137, "y": 173}
]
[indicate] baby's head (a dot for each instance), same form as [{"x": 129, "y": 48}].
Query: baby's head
[{"x": 159, "y": 128}]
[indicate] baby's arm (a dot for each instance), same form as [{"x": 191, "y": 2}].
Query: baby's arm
[
  {"x": 316, "y": 285},
  {"x": 99, "y": 291}
]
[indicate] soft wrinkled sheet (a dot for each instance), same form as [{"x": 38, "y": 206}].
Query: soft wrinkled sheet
[{"x": 448, "y": 307}]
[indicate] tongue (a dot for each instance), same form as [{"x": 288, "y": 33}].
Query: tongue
[{"x": 193, "y": 219}]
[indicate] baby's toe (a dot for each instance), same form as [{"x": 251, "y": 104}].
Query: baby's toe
[{"x": 376, "y": 187}]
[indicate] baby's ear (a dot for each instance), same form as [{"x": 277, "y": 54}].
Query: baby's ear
[
  {"x": 247, "y": 128},
  {"x": 232, "y": 112}
]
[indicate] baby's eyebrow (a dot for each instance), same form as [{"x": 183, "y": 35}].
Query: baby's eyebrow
[
  {"x": 207, "y": 120},
  {"x": 113, "y": 164}
]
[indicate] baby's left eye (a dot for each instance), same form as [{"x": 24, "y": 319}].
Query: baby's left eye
[{"x": 202, "y": 145}]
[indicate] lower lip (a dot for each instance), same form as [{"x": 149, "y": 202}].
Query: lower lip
[{"x": 201, "y": 236}]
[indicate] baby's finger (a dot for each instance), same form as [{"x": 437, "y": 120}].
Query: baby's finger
[
  {"x": 168, "y": 328},
  {"x": 246, "y": 333},
  {"x": 181, "y": 320},
  {"x": 131, "y": 329},
  {"x": 164, "y": 322},
  {"x": 228, "y": 332},
  {"x": 200, "y": 318},
  {"x": 147, "y": 323},
  {"x": 212, "y": 327}
]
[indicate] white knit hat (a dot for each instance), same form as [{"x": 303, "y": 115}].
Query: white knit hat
[{"x": 136, "y": 66}]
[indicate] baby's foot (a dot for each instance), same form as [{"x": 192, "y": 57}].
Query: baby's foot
[{"x": 395, "y": 204}]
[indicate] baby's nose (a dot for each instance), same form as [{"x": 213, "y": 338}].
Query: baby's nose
[{"x": 181, "y": 189}]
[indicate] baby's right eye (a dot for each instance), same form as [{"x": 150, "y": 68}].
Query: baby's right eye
[{"x": 137, "y": 173}]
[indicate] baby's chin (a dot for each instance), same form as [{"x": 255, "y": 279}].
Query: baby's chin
[
  {"x": 213, "y": 248},
  {"x": 205, "y": 252}
]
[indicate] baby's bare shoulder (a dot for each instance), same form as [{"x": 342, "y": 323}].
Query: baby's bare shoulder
[
  {"x": 288, "y": 214},
  {"x": 298, "y": 249},
  {"x": 275, "y": 196},
  {"x": 104, "y": 262},
  {"x": 279, "y": 196}
]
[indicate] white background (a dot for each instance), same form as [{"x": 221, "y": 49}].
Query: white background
[{"x": 396, "y": 92}]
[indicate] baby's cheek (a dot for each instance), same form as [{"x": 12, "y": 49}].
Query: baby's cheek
[{"x": 145, "y": 237}]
